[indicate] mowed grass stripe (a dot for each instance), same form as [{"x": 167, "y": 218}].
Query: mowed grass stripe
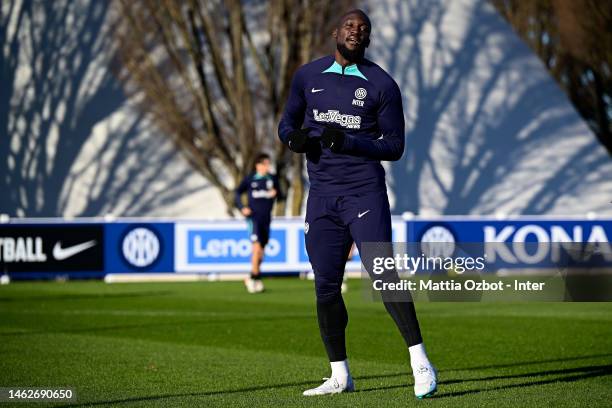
[
  {"x": 211, "y": 344},
  {"x": 184, "y": 358}
]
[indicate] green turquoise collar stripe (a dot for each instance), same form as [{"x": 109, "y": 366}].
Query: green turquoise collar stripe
[
  {"x": 353, "y": 70},
  {"x": 335, "y": 68}
]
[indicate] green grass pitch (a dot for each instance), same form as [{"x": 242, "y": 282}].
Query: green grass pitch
[{"x": 212, "y": 344}]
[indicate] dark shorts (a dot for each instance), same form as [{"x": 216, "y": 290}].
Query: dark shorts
[
  {"x": 259, "y": 229},
  {"x": 333, "y": 224}
]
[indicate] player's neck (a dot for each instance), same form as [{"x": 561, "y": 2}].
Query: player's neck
[{"x": 343, "y": 61}]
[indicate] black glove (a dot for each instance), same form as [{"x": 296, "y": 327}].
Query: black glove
[
  {"x": 298, "y": 140},
  {"x": 333, "y": 139}
]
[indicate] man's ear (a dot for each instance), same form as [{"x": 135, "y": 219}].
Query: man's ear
[{"x": 335, "y": 33}]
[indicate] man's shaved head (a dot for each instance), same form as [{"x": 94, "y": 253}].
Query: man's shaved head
[
  {"x": 352, "y": 35},
  {"x": 358, "y": 12}
]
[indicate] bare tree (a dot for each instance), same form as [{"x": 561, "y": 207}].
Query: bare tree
[
  {"x": 215, "y": 74},
  {"x": 573, "y": 39}
]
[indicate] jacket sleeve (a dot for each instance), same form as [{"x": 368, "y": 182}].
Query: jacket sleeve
[
  {"x": 242, "y": 188},
  {"x": 390, "y": 145},
  {"x": 293, "y": 115}
]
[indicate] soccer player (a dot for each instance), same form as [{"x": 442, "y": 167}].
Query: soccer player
[
  {"x": 262, "y": 188},
  {"x": 345, "y": 113}
]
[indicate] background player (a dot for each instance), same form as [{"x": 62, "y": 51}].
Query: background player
[
  {"x": 262, "y": 188},
  {"x": 351, "y": 110}
]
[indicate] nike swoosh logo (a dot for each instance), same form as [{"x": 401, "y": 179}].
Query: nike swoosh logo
[
  {"x": 362, "y": 214},
  {"x": 316, "y": 90},
  {"x": 60, "y": 253}
]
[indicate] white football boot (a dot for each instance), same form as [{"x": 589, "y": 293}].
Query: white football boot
[
  {"x": 259, "y": 286},
  {"x": 250, "y": 285},
  {"x": 332, "y": 386},
  {"x": 425, "y": 381}
]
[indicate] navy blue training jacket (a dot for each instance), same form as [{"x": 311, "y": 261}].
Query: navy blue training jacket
[
  {"x": 258, "y": 189},
  {"x": 363, "y": 101}
]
